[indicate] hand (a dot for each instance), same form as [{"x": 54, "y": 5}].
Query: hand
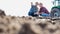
[{"x": 37, "y": 13}]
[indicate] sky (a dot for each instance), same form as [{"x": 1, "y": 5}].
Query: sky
[{"x": 21, "y": 7}]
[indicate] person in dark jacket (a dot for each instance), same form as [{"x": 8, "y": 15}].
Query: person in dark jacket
[
  {"x": 43, "y": 11},
  {"x": 33, "y": 10}
]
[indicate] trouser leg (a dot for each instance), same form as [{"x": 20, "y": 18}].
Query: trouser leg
[{"x": 44, "y": 15}]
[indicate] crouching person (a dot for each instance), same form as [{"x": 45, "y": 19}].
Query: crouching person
[
  {"x": 43, "y": 11},
  {"x": 33, "y": 10}
]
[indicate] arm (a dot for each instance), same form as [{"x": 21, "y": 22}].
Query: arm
[
  {"x": 45, "y": 10},
  {"x": 37, "y": 12}
]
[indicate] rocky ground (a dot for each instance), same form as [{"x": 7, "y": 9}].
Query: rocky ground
[{"x": 29, "y": 25}]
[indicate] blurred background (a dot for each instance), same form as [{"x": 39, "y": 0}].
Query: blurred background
[{"x": 21, "y": 7}]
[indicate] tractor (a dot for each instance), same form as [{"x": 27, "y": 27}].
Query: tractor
[{"x": 55, "y": 11}]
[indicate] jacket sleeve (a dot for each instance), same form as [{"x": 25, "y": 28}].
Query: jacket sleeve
[{"x": 45, "y": 10}]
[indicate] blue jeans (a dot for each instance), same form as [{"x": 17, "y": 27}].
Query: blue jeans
[{"x": 44, "y": 15}]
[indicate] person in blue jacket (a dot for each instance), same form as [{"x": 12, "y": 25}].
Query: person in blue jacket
[{"x": 33, "y": 10}]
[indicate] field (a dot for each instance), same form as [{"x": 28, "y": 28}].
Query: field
[{"x": 28, "y": 25}]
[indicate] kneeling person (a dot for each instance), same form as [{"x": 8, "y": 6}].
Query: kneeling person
[
  {"x": 33, "y": 10},
  {"x": 43, "y": 11}
]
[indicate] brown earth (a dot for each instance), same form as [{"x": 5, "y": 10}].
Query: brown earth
[{"x": 28, "y": 25}]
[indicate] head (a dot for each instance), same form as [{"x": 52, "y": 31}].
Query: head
[
  {"x": 40, "y": 4},
  {"x": 36, "y": 3}
]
